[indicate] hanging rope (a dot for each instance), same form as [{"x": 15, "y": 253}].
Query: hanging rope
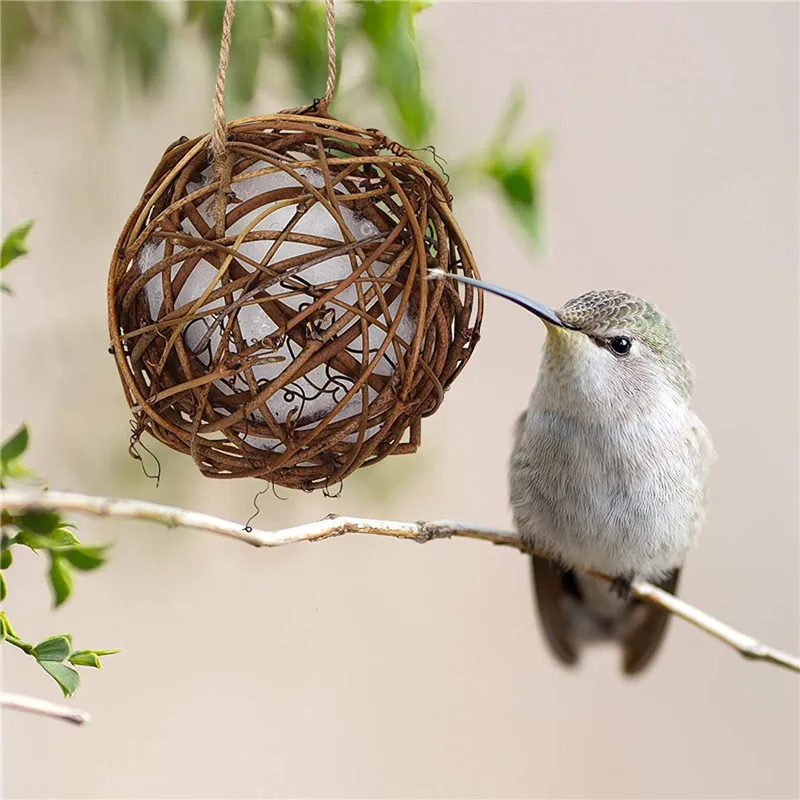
[
  {"x": 322, "y": 103},
  {"x": 219, "y": 137},
  {"x": 330, "y": 23},
  {"x": 222, "y": 160}
]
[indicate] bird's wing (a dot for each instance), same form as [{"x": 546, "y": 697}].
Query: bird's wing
[
  {"x": 641, "y": 645},
  {"x": 549, "y": 590}
]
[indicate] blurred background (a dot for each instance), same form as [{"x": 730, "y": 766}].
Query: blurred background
[{"x": 367, "y": 667}]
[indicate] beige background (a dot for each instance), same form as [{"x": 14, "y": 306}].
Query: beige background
[{"x": 366, "y": 667}]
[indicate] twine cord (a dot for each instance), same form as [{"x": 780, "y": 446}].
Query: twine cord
[
  {"x": 219, "y": 136},
  {"x": 330, "y": 21},
  {"x": 222, "y": 160}
]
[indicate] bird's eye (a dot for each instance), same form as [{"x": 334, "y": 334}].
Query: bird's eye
[{"x": 620, "y": 345}]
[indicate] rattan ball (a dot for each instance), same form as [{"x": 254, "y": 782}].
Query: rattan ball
[{"x": 272, "y": 317}]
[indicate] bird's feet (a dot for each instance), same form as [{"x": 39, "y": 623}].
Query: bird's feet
[{"x": 622, "y": 585}]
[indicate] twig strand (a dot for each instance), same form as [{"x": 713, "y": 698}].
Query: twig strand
[
  {"x": 34, "y": 705},
  {"x": 21, "y": 500}
]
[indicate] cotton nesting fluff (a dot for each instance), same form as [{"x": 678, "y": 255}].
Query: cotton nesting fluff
[
  {"x": 316, "y": 393},
  {"x": 297, "y": 338}
]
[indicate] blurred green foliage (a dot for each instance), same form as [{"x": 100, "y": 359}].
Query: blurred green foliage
[
  {"x": 515, "y": 170},
  {"x": 253, "y": 28},
  {"x": 14, "y": 246},
  {"x": 304, "y": 34},
  {"x": 139, "y": 34},
  {"x": 134, "y": 38},
  {"x": 389, "y": 28},
  {"x": 43, "y": 532},
  {"x": 137, "y": 37}
]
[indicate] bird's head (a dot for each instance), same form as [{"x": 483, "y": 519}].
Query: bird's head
[{"x": 605, "y": 351}]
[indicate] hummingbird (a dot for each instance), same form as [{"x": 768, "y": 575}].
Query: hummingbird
[{"x": 608, "y": 472}]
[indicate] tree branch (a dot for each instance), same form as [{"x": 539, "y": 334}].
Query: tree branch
[
  {"x": 34, "y": 705},
  {"x": 21, "y": 500}
]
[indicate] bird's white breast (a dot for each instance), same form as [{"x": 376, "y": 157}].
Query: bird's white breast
[{"x": 617, "y": 496}]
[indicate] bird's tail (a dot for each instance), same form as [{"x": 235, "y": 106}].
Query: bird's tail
[{"x": 576, "y": 609}]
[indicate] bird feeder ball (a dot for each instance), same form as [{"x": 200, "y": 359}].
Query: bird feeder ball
[{"x": 282, "y": 326}]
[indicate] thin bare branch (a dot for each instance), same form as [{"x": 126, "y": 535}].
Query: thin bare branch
[
  {"x": 748, "y": 646},
  {"x": 22, "y": 500},
  {"x": 34, "y": 705}
]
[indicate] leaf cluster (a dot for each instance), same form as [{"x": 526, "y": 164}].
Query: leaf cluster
[
  {"x": 297, "y": 31},
  {"x": 55, "y": 655},
  {"x": 515, "y": 171},
  {"x": 136, "y": 36},
  {"x": 45, "y": 533}
]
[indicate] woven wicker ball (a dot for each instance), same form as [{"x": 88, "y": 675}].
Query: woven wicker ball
[{"x": 283, "y": 328}]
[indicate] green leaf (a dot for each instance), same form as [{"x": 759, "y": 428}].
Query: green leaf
[
  {"x": 255, "y": 27},
  {"x": 106, "y": 652},
  {"x": 91, "y": 658},
  {"x": 5, "y": 627},
  {"x": 14, "y": 245},
  {"x": 17, "y": 31},
  {"x": 516, "y": 172},
  {"x": 85, "y": 658},
  {"x": 8, "y": 634},
  {"x": 517, "y": 177},
  {"x": 5, "y": 544},
  {"x": 85, "y": 557},
  {"x": 16, "y": 444},
  {"x": 516, "y": 181},
  {"x": 60, "y": 579},
  {"x": 208, "y": 14},
  {"x": 44, "y": 523},
  {"x": 252, "y": 26},
  {"x": 138, "y": 32},
  {"x": 390, "y": 29},
  {"x": 6, "y": 289},
  {"x": 65, "y": 676},
  {"x": 16, "y": 471},
  {"x": 3, "y": 590},
  {"x": 54, "y": 648},
  {"x": 60, "y": 537},
  {"x": 509, "y": 121},
  {"x": 307, "y": 47}
]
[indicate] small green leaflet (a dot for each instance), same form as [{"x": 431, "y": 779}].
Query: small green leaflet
[
  {"x": 64, "y": 675},
  {"x": 90, "y": 658},
  {"x": 15, "y": 445},
  {"x": 54, "y": 648},
  {"x": 15, "y": 245},
  {"x": 60, "y": 579}
]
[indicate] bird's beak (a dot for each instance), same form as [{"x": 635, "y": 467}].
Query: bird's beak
[{"x": 545, "y": 313}]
